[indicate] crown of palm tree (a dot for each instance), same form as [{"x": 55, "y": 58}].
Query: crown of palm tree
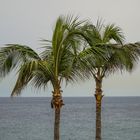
[
  {"x": 56, "y": 63},
  {"x": 116, "y": 55}
]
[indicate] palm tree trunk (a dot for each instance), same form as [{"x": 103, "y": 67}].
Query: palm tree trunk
[
  {"x": 98, "y": 97},
  {"x": 57, "y": 124},
  {"x": 57, "y": 104}
]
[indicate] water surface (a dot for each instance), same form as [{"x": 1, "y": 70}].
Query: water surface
[{"x": 32, "y": 119}]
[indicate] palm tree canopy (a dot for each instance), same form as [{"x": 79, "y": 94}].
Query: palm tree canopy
[
  {"x": 55, "y": 64},
  {"x": 109, "y": 39}
]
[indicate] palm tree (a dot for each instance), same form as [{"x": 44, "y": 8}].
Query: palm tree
[
  {"x": 119, "y": 57},
  {"x": 54, "y": 65}
]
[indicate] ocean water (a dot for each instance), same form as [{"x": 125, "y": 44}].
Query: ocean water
[{"x": 32, "y": 119}]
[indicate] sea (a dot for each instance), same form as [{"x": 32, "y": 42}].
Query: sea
[{"x": 31, "y": 118}]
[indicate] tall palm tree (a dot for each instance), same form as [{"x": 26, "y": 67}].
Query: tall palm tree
[
  {"x": 54, "y": 65},
  {"x": 119, "y": 57}
]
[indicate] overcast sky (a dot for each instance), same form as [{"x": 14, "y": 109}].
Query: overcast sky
[{"x": 27, "y": 21}]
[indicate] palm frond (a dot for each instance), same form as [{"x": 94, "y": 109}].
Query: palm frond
[
  {"x": 112, "y": 32},
  {"x": 29, "y": 71},
  {"x": 14, "y": 55},
  {"x": 43, "y": 75}
]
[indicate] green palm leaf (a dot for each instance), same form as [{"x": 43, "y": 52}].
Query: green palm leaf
[{"x": 14, "y": 55}]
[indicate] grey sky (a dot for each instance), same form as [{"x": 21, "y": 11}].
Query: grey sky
[{"x": 27, "y": 21}]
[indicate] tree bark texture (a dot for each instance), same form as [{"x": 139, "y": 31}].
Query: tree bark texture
[
  {"x": 57, "y": 124},
  {"x": 98, "y": 97},
  {"x": 57, "y": 104}
]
